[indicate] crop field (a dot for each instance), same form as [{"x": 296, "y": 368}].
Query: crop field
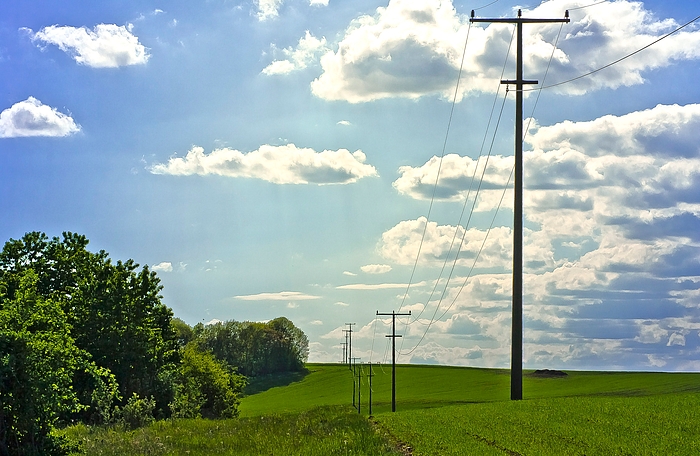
[{"x": 440, "y": 411}]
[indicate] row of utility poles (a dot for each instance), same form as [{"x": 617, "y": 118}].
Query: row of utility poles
[
  {"x": 516, "y": 380},
  {"x": 357, "y": 374}
]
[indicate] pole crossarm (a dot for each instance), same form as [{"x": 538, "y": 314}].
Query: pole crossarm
[
  {"x": 393, "y": 353},
  {"x": 516, "y": 358}
]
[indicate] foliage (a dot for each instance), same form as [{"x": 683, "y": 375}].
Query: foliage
[
  {"x": 114, "y": 310},
  {"x": 137, "y": 412},
  {"x": 38, "y": 359},
  {"x": 324, "y": 431},
  {"x": 256, "y": 348},
  {"x": 207, "y": 386},
  {"x": 104, "y": 395}
]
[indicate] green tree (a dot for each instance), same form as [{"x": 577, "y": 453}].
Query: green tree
[
  {"x": 115, "y": 310},
  {"x": 256, "y": 348},
  {"x": 38, "y": 360},
  {"x": 207, "y": 386}
]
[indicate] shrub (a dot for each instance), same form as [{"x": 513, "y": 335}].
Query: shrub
[{"x": 137, "y": 412}]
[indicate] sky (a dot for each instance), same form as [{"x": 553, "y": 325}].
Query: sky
[{"x": 325, "y": 160}]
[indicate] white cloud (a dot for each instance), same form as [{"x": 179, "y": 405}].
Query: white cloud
[
  {"x": 345, "y": 123},
  {"x": 268, "y": 9},
  {"x": 348, "y": 273},
  {"x": 281, "y": 296},
  {"x": 401, "y": 244},
  {"x": 377, "y": 286},
  {"x": 676, "y": 339},
  {"x": 318, "y": 2},
  {"x": 342, "y": 304},
  {"x": 32, "y": 118},
  {"x": 376, "y": 268},
  {"x": 317, "y": 322},
  {"x": 213, "y": 321},
  {"x": 306, "y": 52},
  {"x": 164, "y": 266},
  {"x": 292, "y": 305},
  {"x": 286, "y": 164},
  {"x": 411, "y": 49},
  {"x": 106, "y": 46}
]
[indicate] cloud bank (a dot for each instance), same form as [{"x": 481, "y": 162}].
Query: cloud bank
[
  {"x": 32, "y": 118},
  {"x": 412, "y": 49},
  {"x": 286, "y": 164}
]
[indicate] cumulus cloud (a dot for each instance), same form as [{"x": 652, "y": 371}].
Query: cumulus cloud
[
  {"x": 281, "y": 296},
  {"x": 32, "y": 118},
  {"x": 610, "y": 247},
  {"x": 105, "y": 46},
  {"x": 401, "y": 244},
  {"x": 306, "y": 52},
  {"x": 376, "y": 268},
  {"x": 411, "y": 49},
  {"x": 268, "y": 9},
  {"x": 318, "y": 2},
  {"x": 164, "y": 266},
  {"x": 286, "y": 164}
]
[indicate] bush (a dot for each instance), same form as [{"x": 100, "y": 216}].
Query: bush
[
  {"x": 137, "y": 412},
  {"x": 209, "y": 383}
]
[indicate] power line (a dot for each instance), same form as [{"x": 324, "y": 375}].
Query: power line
[
  {"x": 588, "y": 6},
  {"x": 437, "y": 177},
  {"x": 616, "y": 61}
]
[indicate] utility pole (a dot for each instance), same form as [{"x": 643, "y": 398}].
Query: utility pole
[
  {"x": 359, "y": 390},
  {"x": 353, "y": 364},
  {"x": 516, "y": 354},
  {"x": 348, "y": 332},
  {"x": 370, "y": 375},
  {"x": 345, "y": 347},
  {"x": 393, "y": 353}
]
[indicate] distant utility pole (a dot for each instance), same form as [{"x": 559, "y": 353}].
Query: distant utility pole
[
  {"x": 353, "y": 365},
  {"x": 348, "y": 332},
  {"x": 359, "y": 390},
  {"x": 393, "y": 353},
  {"x": 370, "y": 374},
  {"x": 344, "y": 358},
  {"x": 516, "y": 357}
]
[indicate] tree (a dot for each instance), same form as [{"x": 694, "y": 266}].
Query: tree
[
  {"x": 256, "y": 348},
  {"x": 207, "y": 386},
  {"x": 115, "y": 310},
  {"x": 38, "y": 360}
]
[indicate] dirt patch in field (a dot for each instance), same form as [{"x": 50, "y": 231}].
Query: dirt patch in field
[
  {"x": 400, "y": 446},
  {"x": 548, "y": 373}
]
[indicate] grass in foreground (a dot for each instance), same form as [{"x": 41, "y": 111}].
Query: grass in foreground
[
  {"x": 663, "y": 424},
  {"x": 322, "y": 431}
]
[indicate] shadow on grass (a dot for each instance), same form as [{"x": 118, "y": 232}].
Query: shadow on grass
[{"x": 265, "y": 382}]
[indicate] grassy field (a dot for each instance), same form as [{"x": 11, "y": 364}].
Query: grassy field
[
  {"x": 420, "y": 387},
  {"x": 441, "y": 411}
]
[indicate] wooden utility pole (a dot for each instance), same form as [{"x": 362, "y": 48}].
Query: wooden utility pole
[
  {"x": 370, "y": 375},
  {"x": 354, "y": 390},
  {"x": 345, "y": 347},
  {"x": 393, "y": 353},
  {"x": 348, "y": 332},
  {"x": 516, "y": 356}
]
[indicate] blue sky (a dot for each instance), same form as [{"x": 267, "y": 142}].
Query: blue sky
[{"x": 279, "y": 157}]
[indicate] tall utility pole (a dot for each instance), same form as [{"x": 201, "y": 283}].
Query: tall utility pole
[
  {"x": 348, "y": 332},
  {"x": 516, "y": 354},
  {"x": 370, "y": 375},
  {"x": 345, "y": 347},
  {"x": 393, "y": 353}
]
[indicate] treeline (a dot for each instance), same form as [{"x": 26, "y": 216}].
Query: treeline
[
  {"x": 84, "y": 339},
  {"x": 254, "y": 348}
]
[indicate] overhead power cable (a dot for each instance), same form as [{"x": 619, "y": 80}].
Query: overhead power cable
[
  {"x": 483, "y": 244},
  {"x": 437, "y": 177},
  {"x": 616, "y": 61},
  {"x": 588, "y": 6}
]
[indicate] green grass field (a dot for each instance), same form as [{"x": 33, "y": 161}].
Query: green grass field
[{"x": 440, "y": 411}]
